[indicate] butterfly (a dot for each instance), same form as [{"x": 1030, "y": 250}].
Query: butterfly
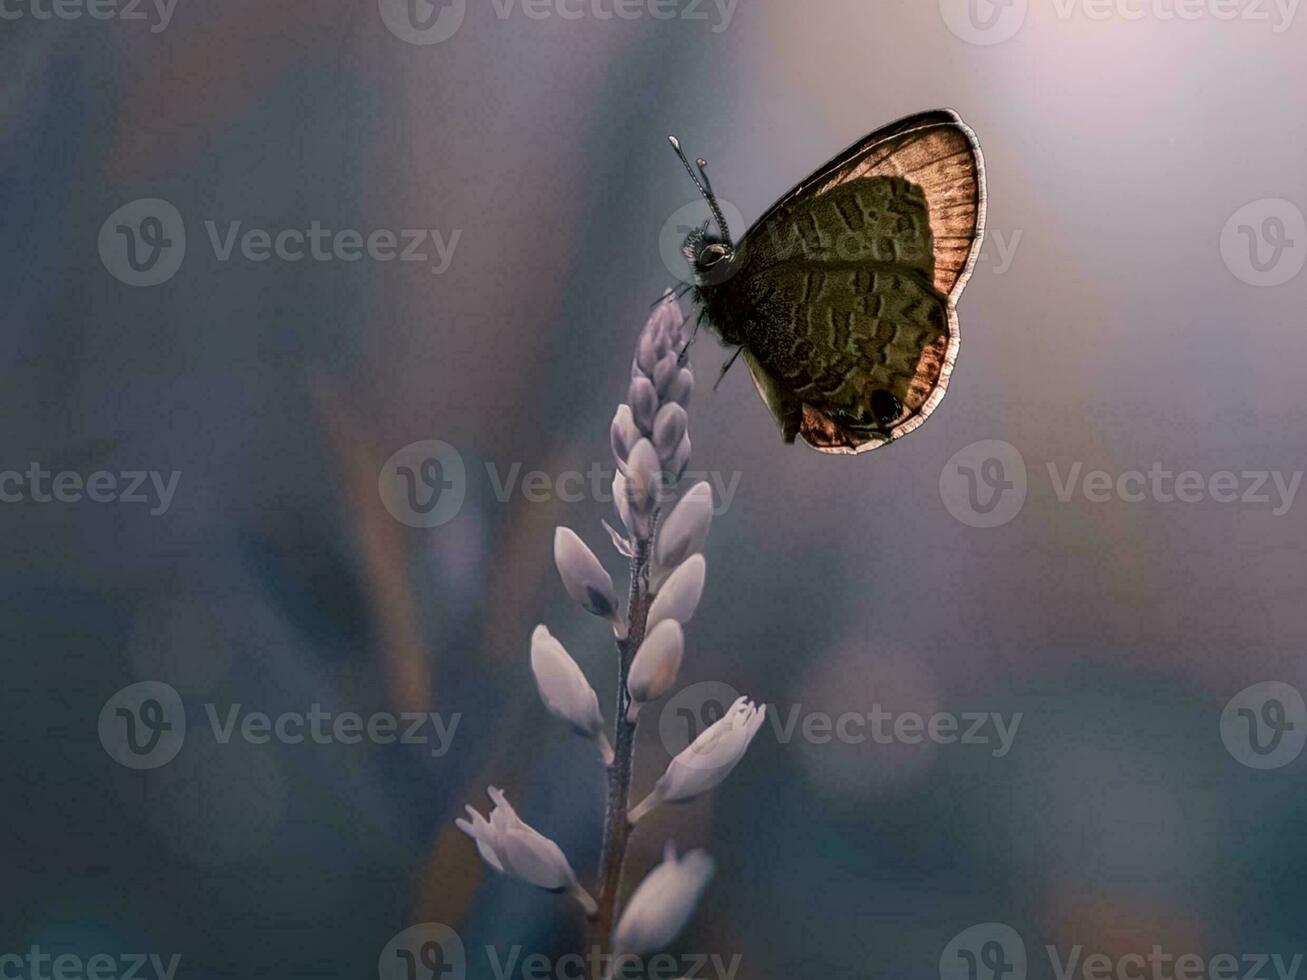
[{"x": 843, "y": 296}]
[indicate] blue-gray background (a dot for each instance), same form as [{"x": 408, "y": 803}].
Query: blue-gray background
[{"x": 1115, "y": 337}]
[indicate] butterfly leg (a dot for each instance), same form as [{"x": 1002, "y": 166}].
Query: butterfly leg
[{"x": 677, "y": 293}]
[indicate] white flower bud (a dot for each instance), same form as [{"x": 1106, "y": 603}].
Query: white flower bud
[
  {"x": 681, "y": 388},
  {"x": 662, "y": 904},
  {"x": 686, "y": 528},
  {"x": 643, "y": 482},
  {"x": 646, "y": 350},
  {"x": 511, "y": 847},
  {"x": 708, "y": 760},
  {"x": 667, "y": 320},
  {"x": 669, "y": 429},
  {"x": 565, "y": 691},
  {"x": 664, "y": 373},
  {"x": 623, "y": 434},
  {"x": 644, "y": 403},
  {"x": 679, "y": 461},
  {"x": 584, "y": 578},
  {"x": 680, "y": 594},
  {"x": 656, "y": 663}
]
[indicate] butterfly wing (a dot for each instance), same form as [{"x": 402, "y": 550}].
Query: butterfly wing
[{"x": 851, "y": 281}]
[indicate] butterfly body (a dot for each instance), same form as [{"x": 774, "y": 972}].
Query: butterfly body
[{"x": 842, "y": 297}]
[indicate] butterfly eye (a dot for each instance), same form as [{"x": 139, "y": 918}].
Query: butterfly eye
[{"x": 711, "y": 255}]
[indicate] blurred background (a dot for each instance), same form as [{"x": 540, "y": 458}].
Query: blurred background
[{"x": 1138, "y": 304}]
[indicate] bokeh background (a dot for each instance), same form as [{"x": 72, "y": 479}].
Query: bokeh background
[{"x": 1102, "y": 327}]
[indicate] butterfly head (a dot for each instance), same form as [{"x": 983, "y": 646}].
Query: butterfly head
[{"x": 709, "y": 254}]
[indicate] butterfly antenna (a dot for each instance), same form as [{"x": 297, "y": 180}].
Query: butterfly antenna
[{"x": 705, "y": 186}]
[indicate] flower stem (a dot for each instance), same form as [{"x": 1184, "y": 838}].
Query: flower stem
[{"x": 617, "y": 828}]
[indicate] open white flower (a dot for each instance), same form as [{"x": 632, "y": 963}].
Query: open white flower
[
  {"x": 511, "y": 847},
  {"x": 565, "y": 691},
  {"x": 656, "y": 664},
  {"x": 662, "y": 904},
  {"x": 708, "y": 760}
]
